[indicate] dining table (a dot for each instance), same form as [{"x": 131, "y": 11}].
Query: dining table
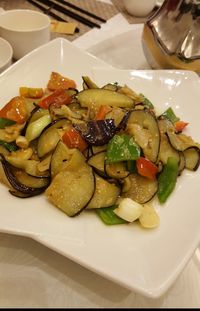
[{"x": 33, "y": 275}]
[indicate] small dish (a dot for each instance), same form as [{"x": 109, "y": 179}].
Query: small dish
[
  {"x": 139, "y": 8},
  {"x": 6, "y": 54},
  {"x": 24, "y": 29}
]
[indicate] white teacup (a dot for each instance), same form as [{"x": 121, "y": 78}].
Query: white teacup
[
  {"x": 24, "y": 29},
  {"x": 6, "y": 54},
  {"x": 139, "y": 8}
]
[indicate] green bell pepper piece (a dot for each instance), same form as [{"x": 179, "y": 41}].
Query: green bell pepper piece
[
  {"x": 122, "y": 148},
  {"x": 146, "y": 101},
  {"x": 170, "y": 115},
  {"x": 109, "y": 217},
  {"x": 8, "y": 146},
  {"x": 5, "y": 122},
  {"x": 167, "y": 179},
  {"x": 131, "y": 166}
]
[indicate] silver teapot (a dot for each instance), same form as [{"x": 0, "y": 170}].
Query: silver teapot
[{"x": 171, "y": 36}]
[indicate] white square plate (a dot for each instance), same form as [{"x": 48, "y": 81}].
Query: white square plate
[{"x": 146, "y": 261}]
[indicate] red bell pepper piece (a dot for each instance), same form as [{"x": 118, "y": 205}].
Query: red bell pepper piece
[
  {"x": 180, "y": 125},
  {"x": 57, "y": 98},
  {"x": 57, "y": 81},
  {"x": 103, "y": 110},
  {"x": 15, "y": 110},
  {"x": 73, "y": 139},
  {"x": 146, "y": 168}
]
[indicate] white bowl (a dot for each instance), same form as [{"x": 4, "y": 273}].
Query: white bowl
[
  {"x": 6, "y": 54},
  {"x": 139, "y": 8},
  {"x": 24, "y": 29}
]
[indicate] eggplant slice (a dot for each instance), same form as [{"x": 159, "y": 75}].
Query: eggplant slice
[
  {"x": 180, "y": 141},
  {"x": 182, "y": 163},
  {"x": 192, "y": 158},
  {"x": 143, "y": 126},
  {"x": 105, "y": 194},
  {"x": 33, "y": 187},
  {"x": 95, "y": 97},
  {"x": 166, "y": 150},
  {"x": 72, "y": 189},
  {"x": 49, "y": 138},
  {"x": 60, "y": 158},
  {"x": 116, "y": 170},
  {"x": 97, "y": 161},
  {"x": 141, "y": 189}
]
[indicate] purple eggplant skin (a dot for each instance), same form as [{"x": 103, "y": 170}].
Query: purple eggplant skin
[
  {"x": 55, "y": 123},
  {"x": 122, "y": 125},
  {"x": 96, "y": 170},
  {"x": 23, "y": 131},
  {"x": 98, "y": 132},
  {"x": 82, "y": 209},
  {"x": 20, "y": 188},
  {"x": 19, "y": 194}
]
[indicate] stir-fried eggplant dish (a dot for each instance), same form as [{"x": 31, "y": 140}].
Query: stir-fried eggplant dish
[{"x": 100, "y": 148}]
